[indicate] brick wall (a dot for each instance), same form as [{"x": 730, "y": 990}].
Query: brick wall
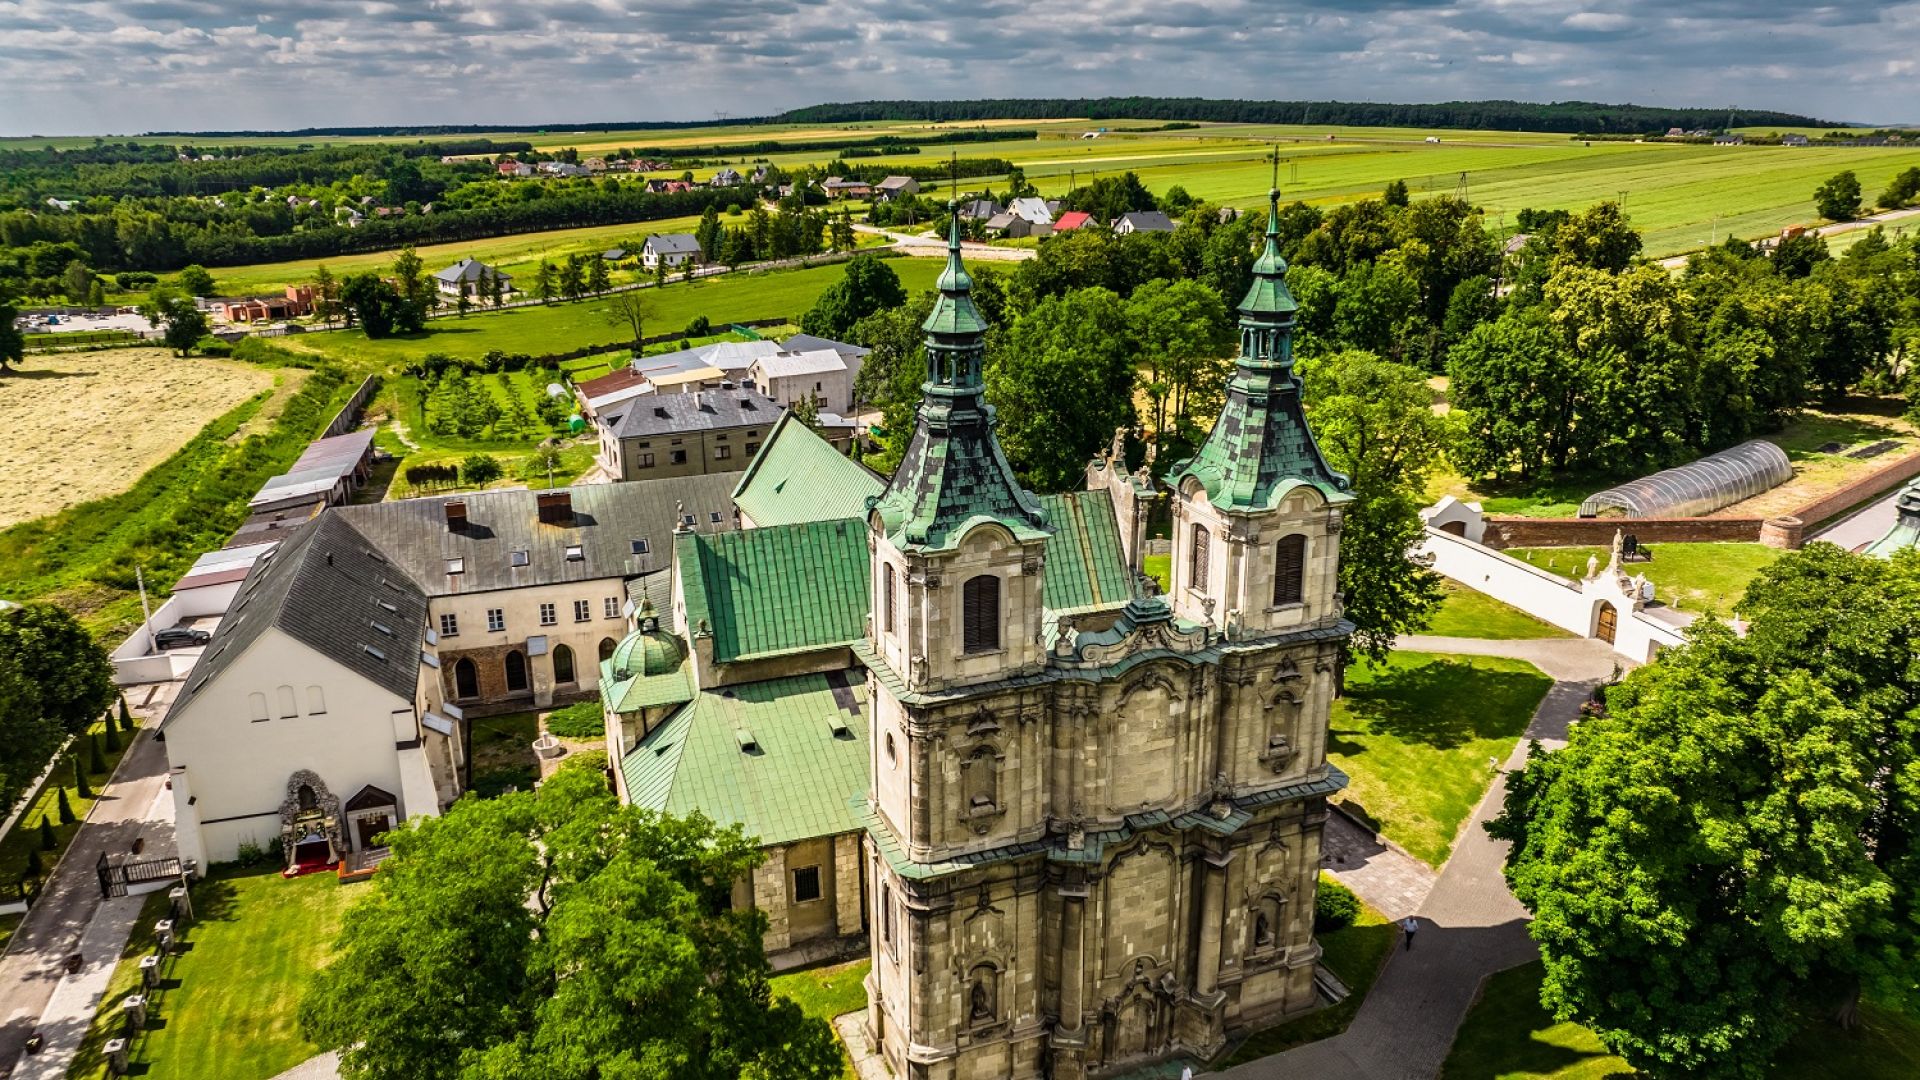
[
  {"x": 1860, "y": 490},
  {"x": 1506, "y": 532}
]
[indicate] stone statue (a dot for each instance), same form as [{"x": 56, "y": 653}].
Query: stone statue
[
  {"x": 1119, "y": 451},
  {"x": 1593, "y": 567},
  {"x": 1613, "y": 560}
]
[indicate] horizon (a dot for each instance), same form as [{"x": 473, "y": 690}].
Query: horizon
[{"x": 132, "y": 66}]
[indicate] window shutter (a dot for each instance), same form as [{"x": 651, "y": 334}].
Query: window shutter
[
  {"x": 1289, "y": 569},
  {"x": 980, "y": 613},
  {"x": 1197, "y": 559}
]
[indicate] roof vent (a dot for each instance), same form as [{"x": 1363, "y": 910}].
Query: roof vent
[
  {"x": 837, "y": 727},
  {"x": 660, "y": 412},
  {"x": 456, "y": 515},
  {"x": 748, "y": 744},
  {"x": 555, "y": 507}
]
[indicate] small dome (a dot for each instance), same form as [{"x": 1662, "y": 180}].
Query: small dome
[{"x": 648, "y": 650}]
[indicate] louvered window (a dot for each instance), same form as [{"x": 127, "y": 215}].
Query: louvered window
[
  {"x": 1289, "y": 569},
  {"x": 1202, "y": 544},
  {"x": 980, "y": 613},
  {"x": 886, "y": 601}
]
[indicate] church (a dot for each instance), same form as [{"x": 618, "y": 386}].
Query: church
[{"x": 1076, "y": 823}]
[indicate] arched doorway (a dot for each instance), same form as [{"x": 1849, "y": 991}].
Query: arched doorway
[
  {"x": 562, "y": 664},
  {"x": 1609, "y": 623},
  {"x": 606, "y": 649},
  {"x": 466, "y": 678},
  {"x": 516, "y": 666}
]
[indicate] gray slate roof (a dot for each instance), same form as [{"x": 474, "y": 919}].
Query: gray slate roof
[
  {"x": 811, "y": 342},
  {"x": 469, "y": 270},
  {"x": 327, "y": 587},
  {"x": 607, "y": 519},
  {"x": 674, "y": 243},
  {"x": 653, "y": 415},
  {"x": 1148, "y": 221}
]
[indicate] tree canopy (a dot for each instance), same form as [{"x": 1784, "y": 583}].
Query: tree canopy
[
  {"x": 1732, "y": 846},
  {"x": 869, "y": 285},
  {"x": 556, "y": 933}
]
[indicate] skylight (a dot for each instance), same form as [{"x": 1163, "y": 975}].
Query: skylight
[
  {"x": 518, "y": 558},
  {"x": 575, "y": 553},
  {"x": 456, "y": 566}
]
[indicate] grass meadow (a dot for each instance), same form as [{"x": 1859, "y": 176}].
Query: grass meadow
[{"x": 1701, "y": 578}]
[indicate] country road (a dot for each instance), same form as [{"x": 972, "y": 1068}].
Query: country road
[
  {"x": 935, "y": 245},
  {"x": 1677, "y": 262}
]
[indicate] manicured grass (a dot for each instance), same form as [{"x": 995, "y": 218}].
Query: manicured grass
[
  {"x": 8, "y": 924},
  {"x": 1471, "y": 614},
  {"x": 229, "y": 1006},
  {"x": 1356, "y": 955},
  {"x": 1510, "y": 1036},
  {"x": 827, "y": 992},
  {"x": 502, "y": 748},
  {"x": 1159, "y": 568},
  {"x": 1418, "y": 735},
  {"x": 25, "y": 837},
  {"x": 1702, "y": 578},
  {"x": 562, "y": 327}
]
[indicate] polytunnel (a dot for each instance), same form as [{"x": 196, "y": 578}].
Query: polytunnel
[{"x": 1698, "y": 487}]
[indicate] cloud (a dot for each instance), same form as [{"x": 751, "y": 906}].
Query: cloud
[{"x": 121, "y": 66}]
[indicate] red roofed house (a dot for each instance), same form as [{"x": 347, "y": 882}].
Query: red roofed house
[{"x": 1071, "y": 220}]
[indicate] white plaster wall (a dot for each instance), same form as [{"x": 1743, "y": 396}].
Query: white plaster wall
[{"x": 236, "y": 768}]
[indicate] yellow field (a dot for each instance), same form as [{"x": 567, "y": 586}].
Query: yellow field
[{"x": 82, "y": 426}]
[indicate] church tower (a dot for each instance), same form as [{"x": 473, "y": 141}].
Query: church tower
[{"x": 1256, "y": 516}]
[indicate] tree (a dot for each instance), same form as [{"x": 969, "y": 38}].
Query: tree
[
  {"x": 78, "y": 281},
  {"x": 13, "y": 342},
  {"x": 628, "y": 310},
  {"x": 1731, "y": 846},
  {"x": 112, "y": 734},
  {"x": 326, "y": 295},
  {"x": 372, "y": 302},
  {"x": 1396, "y": 193},
  {"x": 1516, "y": 391},
  {"x": 495, "y": 287},
  {"x": 891, "y": 375},
  {"x": 72, "y": 673},
  {"x": 573, "y": 278},
  {"x": 480, "y": 470},
  {"x": 126, "y": 718},
  {"x": 195, "y": 281},
  {"x": 185, "y": 324},
  {"x": 67, "y": 816},
  {"x": 593, "y": 940},
  {"x": 709, "y": 233},
  {"x": 1838, "y": 199},
  {"x": 1901, "y": 190},
  {"x": 416, "y": 295},
  {"x": 465, "y": 302},
  {"x": 544, "y": 285},
  {"x": 807, "y": 411},
  {"x": 869, "y": 285},
  {"x": 597, "y": 281},
  {"x": 1796, "y": 256},
  {"x": 842, "y": 231},
  {"x": 80, "y": 786},
  {"x": 1185, "y": 339},
  {"x": 1062, "y": 377},
  {"x": 49, "y": 840},
  {"x": 1598, "y": 239},
  {"x": 1375, "y": 422}
]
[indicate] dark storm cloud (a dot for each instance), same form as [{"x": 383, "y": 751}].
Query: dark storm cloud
[{"x": 129, "y": 65}]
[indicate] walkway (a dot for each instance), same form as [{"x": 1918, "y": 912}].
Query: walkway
[
  {"x": 1865, "y": 525},
  {"x": 36, "y": 994},
  {"x": 1471, "y": 926}
]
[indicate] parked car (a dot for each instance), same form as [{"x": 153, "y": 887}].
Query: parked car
[{"x": 180, "y": 637}]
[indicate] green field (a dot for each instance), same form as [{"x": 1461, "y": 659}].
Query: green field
[
  {"x": 739, "y": 297},
  {"x": 1701, "y": 578},
  {"x": 1470, "y": 614},
  {"x": 826, "y": 992},
  {"x": 1415, "y": 735}
]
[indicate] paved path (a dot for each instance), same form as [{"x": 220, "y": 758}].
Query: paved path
[
  {"x": 915, "y": 244},
  {"x": 324, "y": 1067},
  {"x": 1865, "y": 525},
  {"x": 1471, "y": 926},
  {"x": 35, "y": 992}
]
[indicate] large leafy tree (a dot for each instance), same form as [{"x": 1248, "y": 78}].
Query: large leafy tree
[
  {"x": 27, "y": 738},
  {"x": 869, "y": 285},
  {"x": 1732, "y": 848},
  {"x": 71, "y": 674},
  {"x": 1186, "y": 340},
  {"x": 182, "y": 322},
  {"x": 1598, "y": 238},
  {"x": 1062, "y": 377},
  {"x": 1516, "y": 395},
  {"x": 1838, "y": 197},
  {"x": 1375, "y": 422},
  {"x": 891, "y": 375},
  {"x": 556, "y": 933}
]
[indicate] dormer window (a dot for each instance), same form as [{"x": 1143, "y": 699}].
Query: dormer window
[
  {"x": 575, "y": 553},
  {"x": 640, "y": 547},
  {"x": 456, "y": 566},
  {"x": 519, "y": 558},
  {"x": 1290, "y": 570},
  {"x": 1201, "y": 545}
]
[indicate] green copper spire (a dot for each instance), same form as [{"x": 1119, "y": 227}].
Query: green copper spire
[
  {"x": 1261, "y": 447},
  {"x": 1906, "y": 526},
  {"x": 954, "y": 472}
]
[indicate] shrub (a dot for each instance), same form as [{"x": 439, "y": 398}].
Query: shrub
[
  {"x": 126, "y": 718},
  {"x": 33, "y": 867},
  {"x": 699, "y": 327},
  {"x": 96, "y": 761},
  {"x": 1334, "y": 906},
  {"x": 430, "y": 475},
  {"x": 80, "y": 785},
  {"x": 48, "y": 838},
  {"x": 582, "y": 721},
  {"x": 594, "y": 760},
  {"x": 113, "y": 738},
  {"x": 480, "y": 469},
  {"x": 250, "y": 853},
  {"x": 67, "y": 816}
]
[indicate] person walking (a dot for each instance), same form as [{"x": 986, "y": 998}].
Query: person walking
[
  {"x": 1410, "y": 926},
  {"x": 1186, "y": 1072}
]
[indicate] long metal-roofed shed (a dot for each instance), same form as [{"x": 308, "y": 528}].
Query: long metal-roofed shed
[
  {"x": 327, "y": 471},
  {"x": 1698, "y": 487}
]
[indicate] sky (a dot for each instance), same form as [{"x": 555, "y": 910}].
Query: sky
[{"x": 127, "y": 66}]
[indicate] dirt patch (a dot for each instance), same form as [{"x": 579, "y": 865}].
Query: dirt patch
[{"x": 86, "y": 425}]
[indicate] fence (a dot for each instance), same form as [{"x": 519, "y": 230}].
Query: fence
[
  {"x": 124, "y": 877},
  {"x": 348, "y": 417}
]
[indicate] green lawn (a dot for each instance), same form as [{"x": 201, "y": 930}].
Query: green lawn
[
  {"x": 1701, "y": 578},
  {"x": 1509, "y": 1036},
  {"x": 1356, "y": 955},
  {"x": 25, "y": 837},
  {"x": 228, "y": 1008},
  {"x": 561, "y": 327},
  {"x": 1472, "y": 614},
  {"x": 502, "y": 750},
  {"x": 1417, "y": 735},
  {"x": 1160, "y": 568},
  {"x": 827, "y": 992}
]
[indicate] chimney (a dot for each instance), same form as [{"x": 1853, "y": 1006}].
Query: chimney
[
  {"x": 556, "y": 507},
  {"x": 456, "y": 515}
]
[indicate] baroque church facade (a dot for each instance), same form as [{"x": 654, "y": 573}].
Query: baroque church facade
[{"x": 1093, "y": 830}]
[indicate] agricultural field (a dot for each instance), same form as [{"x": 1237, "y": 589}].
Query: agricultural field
[
  {"x": 562, "y": 327},
  {"x": 75, "y": 427}
]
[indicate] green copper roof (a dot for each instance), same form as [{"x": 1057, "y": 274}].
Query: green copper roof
[
  {"x": 798, "y": 476},
  {"x": 1260, "y": 447},
  {"x": 781, "y": 758},
  {"x": 954, "y": 473},
  {"x": 633, "y": 692},
  {"x": 744, "y": 588},
  {"x": 1905, "y": 533},
  {"x": 1086, "y": 568}
]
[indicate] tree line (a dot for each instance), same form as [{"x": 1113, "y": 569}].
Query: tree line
[{"x": 1565, "y": 116}]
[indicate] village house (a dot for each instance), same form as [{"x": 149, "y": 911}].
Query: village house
[
  {"x": 1073, "y": 219},
  {"x": 726, "y": 178},
  {"x": 473, "y": 274},
  {"x": 671, "y": 249},
  {"x": 840, "y": 188},
  {"x": 690, "y": 434},
  {"x": 1142, "y": 221},
  {"x": 895, "y": 186},
  {"x": 514, "y": 168}
]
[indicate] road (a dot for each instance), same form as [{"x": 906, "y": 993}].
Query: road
[
  {"x": 910, "y": 244},
  {"x": 1677, "y": 262},
  {"x": 1865, "y": 525}
]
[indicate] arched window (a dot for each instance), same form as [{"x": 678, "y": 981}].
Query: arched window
[
  {"x": 606, "y": 648},
  {"x": 1200, "y": 544},
  {"x": 307, "y": 799},
  {"x": 516, "y": 665},
  {"x": 1289, "y": 569},
  {"x": 316, "y": 702},
  {"x": 257, "y": 706},
  {"x": 466, "y": 678},
  {"x": 288, "y": 708},
  {"x": 562, "y": 664},
  {"x": 886, "y": 600},
  {"x": 980, "y": 614},
  {"x": 982, "y": 783}
]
